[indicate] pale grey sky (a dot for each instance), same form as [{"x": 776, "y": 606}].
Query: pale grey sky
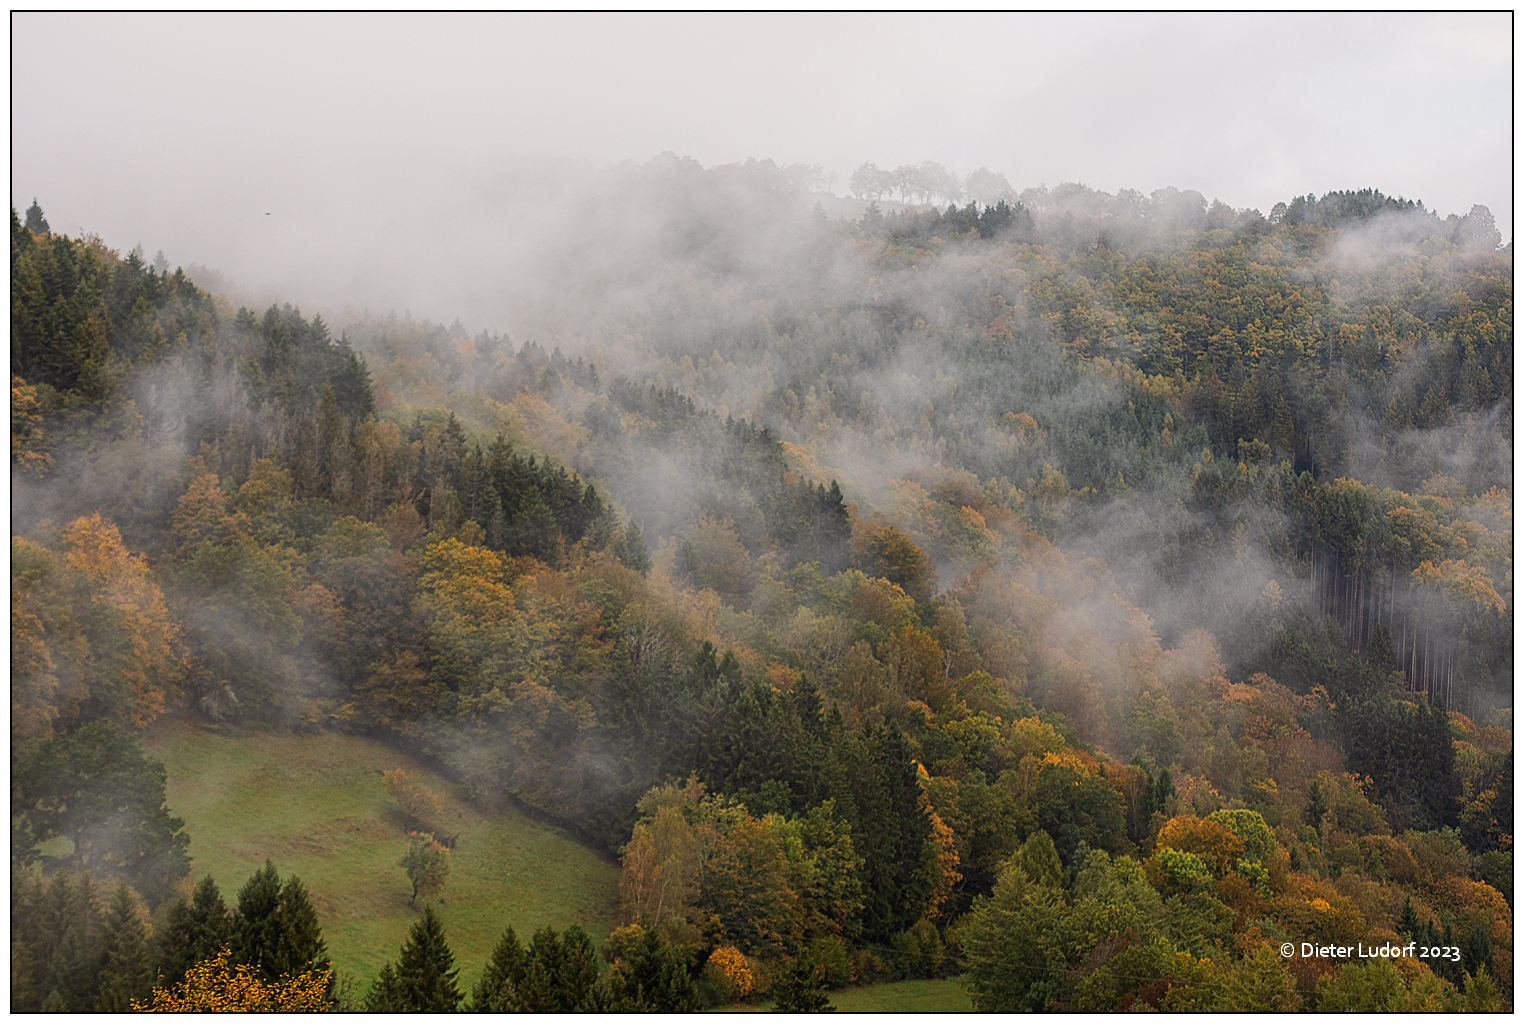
[{"x": 181, "y": 131}]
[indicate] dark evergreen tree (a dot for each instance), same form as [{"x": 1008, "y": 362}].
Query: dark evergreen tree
[
  {"x": 36, "y": 223},
  {"x": 125, "y": 972},
  {"x": 890, "y": 831},
  {"x": 277, "y": 928},
  {"x": 424, "y": 979},
  {"x": 654, "y": 978},
  {"x": 57, "y": 928},
  {"x": 497, "y": 991},
  {"x": 196, "y": 929},
  {"x": 386, "y": 993},
  {"x": 560, "y": 972},
  {"x": 257, "y": 926}
]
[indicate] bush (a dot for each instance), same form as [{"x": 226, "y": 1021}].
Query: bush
[
  {"x": 417, "y": 801},
  {"x": 731, "y": 974},
  {"x": 831, "y": 954},
  {"x": 865, "y": 968}
]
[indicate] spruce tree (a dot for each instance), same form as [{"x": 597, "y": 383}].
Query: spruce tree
[
  {"x": 125, "y": 973},
  {"x": 56, "y": 933},
  {"x": 654, "y": 979},
  {"x": 256, "y": 933},
  {"x": 277, "y": 930},
  {"x": 35, "y": 221},
  {"x": 73, "y": 968},
  {"x": 559, "y": 973},
  {"x": 385, "y": 994},
  {"x": 196, "y": 930},
  {"x": 497, "y": 991},
  {"x": 301, "y": 945},
  {"x": 426, "y": 969},
  {"x": 631, "y": 549}
]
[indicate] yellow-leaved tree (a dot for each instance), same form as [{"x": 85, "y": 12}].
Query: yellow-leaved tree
[{"x": 216, "y": 985}]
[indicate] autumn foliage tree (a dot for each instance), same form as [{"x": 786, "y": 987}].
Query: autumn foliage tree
[
  {"x": 427, "y": 864},
  {"x": 419, "y": 803},
  {"x": 217, "y": 985}
]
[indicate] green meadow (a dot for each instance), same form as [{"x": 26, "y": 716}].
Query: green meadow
[
  {"x": 314, "y": 805},
  {"x": 943, "y": 995}
]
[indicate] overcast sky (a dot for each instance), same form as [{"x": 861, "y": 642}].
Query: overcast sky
[{"x": 180, "y": 132}]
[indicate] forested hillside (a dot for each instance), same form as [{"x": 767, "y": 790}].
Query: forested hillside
[{"x": 1082, "y": 594}]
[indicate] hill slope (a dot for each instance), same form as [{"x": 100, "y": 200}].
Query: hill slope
[{"x": 314, "y": 805}]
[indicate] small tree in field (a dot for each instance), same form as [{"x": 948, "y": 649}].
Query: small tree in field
[
  {"x": 417, "y": 801},
  {"x": 427, "y": 865}
]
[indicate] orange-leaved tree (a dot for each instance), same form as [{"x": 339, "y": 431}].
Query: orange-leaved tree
[
  {"x": 217, "y": 986},
  {"x": 427, "y": 864},
  {"x": 418, "y": 802}
]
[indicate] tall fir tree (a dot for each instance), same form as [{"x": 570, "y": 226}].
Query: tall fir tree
[
  {"x": 196, "y": 929},
  {"x": 497, "y": 991},
  {"x": 424, "y": 979},
  {"x": 126, "y": 973},
  {"x": 277, "y": 929}
]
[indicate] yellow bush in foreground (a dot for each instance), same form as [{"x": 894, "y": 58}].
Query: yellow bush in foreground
[{"x": 215, "y": 986}]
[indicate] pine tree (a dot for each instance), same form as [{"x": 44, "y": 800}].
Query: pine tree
[
  {"x": 56, "y": 931},
  {"x": 277, "y": 930},
  {"x": 301, "y": 946},
  {"x": 196, "y": 930},
  {"x": 560, "y": 973},
  {"x": 75, "y": 967},
  {"x": 125, "y": 972},
  {"x": 631, "y": 549},
  {"x": 425, "y": 975},
  {"x": 36, "y": 223},
  {"x": 497, "y": 990},
  {"x": 386, "y": 995},
  {"x": 256, "y": 933}
]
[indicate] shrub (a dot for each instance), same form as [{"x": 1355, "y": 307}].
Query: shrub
[
  {"x": 730, "y": 972},
  {"x": 417, "y": 801}
]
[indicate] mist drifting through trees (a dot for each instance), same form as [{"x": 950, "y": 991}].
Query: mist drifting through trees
[{"x": 901, "y": 587}]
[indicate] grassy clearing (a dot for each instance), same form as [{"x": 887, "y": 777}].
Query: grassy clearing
[
  {"x": 315, "y": 807},
  {"x": 944, "y": 995}
]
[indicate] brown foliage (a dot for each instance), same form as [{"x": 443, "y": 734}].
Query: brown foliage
[{"x": 1215, "y": 845}]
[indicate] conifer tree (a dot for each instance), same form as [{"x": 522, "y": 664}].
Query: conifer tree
[
  {"x": 301, "y": 945},
  {"x": 197, "y": 928},
  {"x": 653, "y": 978},
  {"x": 256, "y": 933},
  {"x": 801, "y": 988},
  {"x": 560, "y": 971},
  {"x": 424, "y": 979},
  {"x": 55, "y": 943},
  {"x": 386, "y": 995},
  {"x": 631, "y": 549},
  {"x": 36, "y": 223},
  {"x": 496, "y": 992},
  {"x": 125, "y": 972},
  {"x": 277, "y": 929}
]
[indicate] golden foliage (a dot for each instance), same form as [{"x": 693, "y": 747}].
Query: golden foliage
[
  {"x": 1215, "y": 845},
  {"x": 216, "y": 986},
  {"x": 27, "y": 451},
  {"x": 417, "y": 801},
  {"x": 732, "y": 969},
  {"x": 86, "y": 622}
]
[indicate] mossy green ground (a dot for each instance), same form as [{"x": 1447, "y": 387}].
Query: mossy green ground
[
  {"x": 314, "y": 805},
  {"x": 945, "y": 995}
]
